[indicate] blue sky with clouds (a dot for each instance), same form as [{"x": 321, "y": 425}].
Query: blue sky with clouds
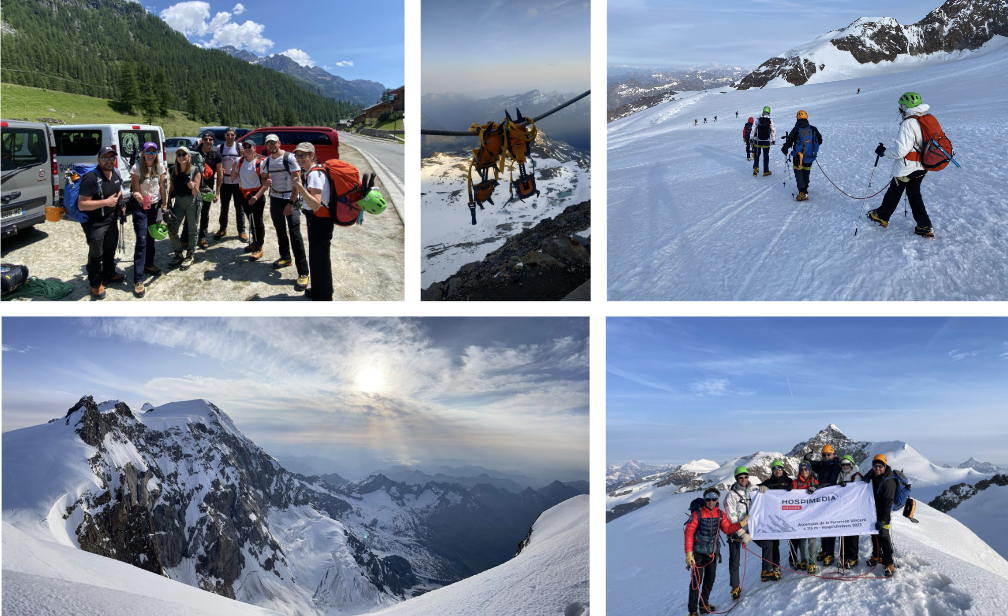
[
  {"x": 681, "y": 33},
  {"x": 355, "y": 40},
  {"x": 505, "y": 46},
  {"x": 687, "y": 388},
  {"x": 509, "y": 394}
]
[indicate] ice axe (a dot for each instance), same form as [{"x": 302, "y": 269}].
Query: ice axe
[{"x": 866, "y": 192}]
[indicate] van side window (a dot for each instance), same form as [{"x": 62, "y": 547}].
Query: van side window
[
  {"x": 77, "y": 142},
  {"x": 257, "y": 138},
  {"x": 315, "y": 138},
  {"x": 130, "y": 142},
  {"x": 23, "y": 147},
  {"x": 288, "y": 137}
]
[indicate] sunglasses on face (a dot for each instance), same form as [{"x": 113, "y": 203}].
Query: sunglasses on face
[
  {"x": 711, "y": 500},
  {"x": 300, "y": 154},
  {"x": 108, "y": 158},
  {"x": 742, "y": 477},
  {"x": 181, "y": 155},
  {"x": 878, "y": 465},
  {"x": 207, "y": 138},
  {"x": 150, "y": 152},
  {"x": 847, "y": 464},
  {"x": 246, "y": 146}
]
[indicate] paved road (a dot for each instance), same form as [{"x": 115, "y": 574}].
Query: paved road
[{"x": 389, "y": 161}]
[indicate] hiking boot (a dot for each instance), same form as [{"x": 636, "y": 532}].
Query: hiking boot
[
  {"x": 736, "y": 593},
  {"x": 874, "y": 560},
  {"x": 765, "y": 576},
  {"x": 924, "y": 231},
  {"x": 748, "y": 157},
  {"x": 801, "y": 196},
  {"x": 821, "y": 556},
  {"x": 812, "y": 568},
  {"x": 189, "y": 259},
  {"x": 889, "y": 570},
  {"x": 153, "y": 270},
  {"x": 203, "y": 243},
  {"x": 802, "y": 566},
  {"x": 139, "y": 290},
  {"x": 755, "y": 171},
  {"x": 873, "y": 215},
  {"x": 828, "y": 560},
  {"x": 243, "y": 236},
  {"x": 249, "y": 248},
  {"x": 850, "y": 564},
  {"x": 257, "y": 253},
  {"x": 176, "y": 260},
  {"x": 302, "y": 283},
  {"x": 767, "y": 172},
  {"x": 220, "y": 233},
  {"x": 692, "y": 614},
  {"x": 98, "y": 292},
  {"x": 281, "y": 263},
  {"x": 776, "y": 574},
  {"x": 117, "y": 277},
  {"x": 708, "y": 608},
  {"x": 185, "y": 243}
]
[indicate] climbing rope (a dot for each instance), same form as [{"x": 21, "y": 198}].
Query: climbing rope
[
  {"x": 696, "y": 578},
  {"x": 470, "y": 133},
  {"x": 827, "y": 576},
  {"x": 841, "y": 190}
]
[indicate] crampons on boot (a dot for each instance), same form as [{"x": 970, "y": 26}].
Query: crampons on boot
[
  {"x": 828, "y": 560},
  {"x": 755, "y": 172},
  {"x": 692, "y": 614},
  {"x": 801, "y": 196},
  {"x": 776, "y": 574},
  {"x": 748, "y": 157},
  {"x": 924, "y": 231},
  {"x": 889, "y": 571},
  {"x": 766, "y": 576},
  {"x": 708, "y": 609},
  {"x": 850, "y": 564},
  {"x": 812, "y": 568},
  {"x": 736, "y": 593},
  {"x": 873, "y": 561},
  {"x": 767, "y": 172},
  {"x": 803, "y": 565},
  {"x": 873, "y": 216}
]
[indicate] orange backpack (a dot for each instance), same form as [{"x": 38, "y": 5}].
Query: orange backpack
[
  {"x": 936, "y": 150},
  {"x": 346, "y": 187}
]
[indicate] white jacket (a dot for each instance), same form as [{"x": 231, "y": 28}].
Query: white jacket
[
  {"x": 909, "y": 139},
  {"x": 736, "y": 504},
  {"x": 846, "y": 477},
  {"x": 773, "y": 129}
]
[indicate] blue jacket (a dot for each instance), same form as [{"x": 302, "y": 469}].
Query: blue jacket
[{"x": 828, "y": 472}]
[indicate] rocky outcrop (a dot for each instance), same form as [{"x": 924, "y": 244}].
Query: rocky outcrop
[
  {"x": 621, "y": 510},
  {"x": 640, "y": 104},
  {"x": 961, "y": 492},
  {"x": 544, "y": 262},
  {"x": 980, "y": 467},
  {"x": 91, "y": 424},
  {"x": 830, "y": 435},
  {"x": 956, "y": 25}
]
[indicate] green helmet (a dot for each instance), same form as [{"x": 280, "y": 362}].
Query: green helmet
[
  {"x": 373, "y": 203},
  {"x": 208, "y": 197},
  {"x": 776, "y": 463},
  {"x": 741, "y": 470},
  {"x": 158, "y": 230},
  {"x": 766, "y": 110},
  {"x": 848, "y": 458},
  {"x": 910, "y": 99}
]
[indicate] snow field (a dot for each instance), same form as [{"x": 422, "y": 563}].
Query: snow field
[{"x": 688, "y": 221}]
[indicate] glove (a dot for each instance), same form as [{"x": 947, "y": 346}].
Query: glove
[
  {"x": 880, "y": 150},
  {"x": 843, "y": 484},
  {"x": 689, "y": 560},
  {"x": 878, "y": 525},
  {"x": 762, "y": 489},
  {"x": 744, "y": 522},
  {"x": 746, "y": 537},
  {"x": 783, "y": 150},
  {"x": 811, "y": 489},
  {"x": 789, "y": 488}
]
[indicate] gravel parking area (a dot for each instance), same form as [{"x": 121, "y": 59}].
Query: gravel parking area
[{"x": 367, "y": 260}]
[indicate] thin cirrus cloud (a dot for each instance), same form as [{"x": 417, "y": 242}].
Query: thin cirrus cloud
[{"x": 293, "y": 383}]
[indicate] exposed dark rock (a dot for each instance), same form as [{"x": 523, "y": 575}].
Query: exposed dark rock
[
  {"x": 625, "y": 508},
  {"x": 955, "y": 495}
]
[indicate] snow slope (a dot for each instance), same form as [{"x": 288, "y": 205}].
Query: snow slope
[
  {"x": 448, "y": 238},
  {"x": 985, "y": 514},
  {"x": 700, "y": 227},
  {"x": 548, "y": 577},
  {"x": 41, "y": 577},
  {"x": 944, "y": 569}
]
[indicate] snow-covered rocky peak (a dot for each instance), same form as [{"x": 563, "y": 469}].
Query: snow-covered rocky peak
[
  {"x": 954, "y": 27},
  {"x": 147, "y": 406},
  {"x": 980, "y": 467},
  {"x": 831, "y": 435}
]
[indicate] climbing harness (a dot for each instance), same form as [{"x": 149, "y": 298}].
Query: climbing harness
[
  {"x": 520, "y": 134},
  {"x": 695, "y": 578},
  {"x": 489, "y": 155}
]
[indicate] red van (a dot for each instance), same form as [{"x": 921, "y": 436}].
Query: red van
[{"x": 325, "y": 139}]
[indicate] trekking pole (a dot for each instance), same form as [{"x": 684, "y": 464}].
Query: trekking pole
[
  {"x": 866, "y": 193},
  {"x": 904, "y": 205}
]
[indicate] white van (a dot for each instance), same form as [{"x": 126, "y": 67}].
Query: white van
[
  {"x": 29, "y": 184},
  {"x": 79, "y": 144}
]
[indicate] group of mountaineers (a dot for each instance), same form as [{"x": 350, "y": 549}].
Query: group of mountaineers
[
  {"x": 920, "y": 146},
  {"x": 707, "y": 520}
]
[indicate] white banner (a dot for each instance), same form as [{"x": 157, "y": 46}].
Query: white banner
[{"x": 830, "y": 511}]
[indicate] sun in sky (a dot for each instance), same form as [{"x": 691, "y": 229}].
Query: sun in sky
[{"x": 371, "y": 380}]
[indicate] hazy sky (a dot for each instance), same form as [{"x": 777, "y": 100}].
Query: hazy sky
[
  {"x": 505, "y": 46},
  {"x": 509, "y": 394},
  {"x": 355, "y": 40},
  {"x": 681, "y": 33},
  {"x": 717, "y": 388}
]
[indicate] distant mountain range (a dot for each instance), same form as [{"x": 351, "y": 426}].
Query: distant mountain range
[
  {"x": 874, "y": 44},
  {"x": 632, "y": 89},
  {"x": 359, "y": 91}
]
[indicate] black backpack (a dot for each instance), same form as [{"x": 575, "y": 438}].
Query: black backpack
[
  {"x": 763, "y": 129},
  {"x": 14, "y": 276}
]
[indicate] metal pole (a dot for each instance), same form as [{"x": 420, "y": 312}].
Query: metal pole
[{"x": 867, "y": 190}]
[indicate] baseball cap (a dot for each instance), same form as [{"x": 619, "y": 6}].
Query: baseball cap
[
  {"x": 105, "y": 150},
  {"x": 304, "y": 146},
  {"x": 148, "y": 145},
  {"x": 272, "y": 137}
]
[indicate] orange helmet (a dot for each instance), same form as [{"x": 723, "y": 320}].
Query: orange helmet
[
  {"x": 826, "y": 448},
  {"x": 880, "y": 458},
  {"x": 802, "y": 115}
]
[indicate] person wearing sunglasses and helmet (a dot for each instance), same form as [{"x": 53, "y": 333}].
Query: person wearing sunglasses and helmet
[
  {"x": 805, "y": 547},
  {"x": 702, "y": 546},
  {"x": 827, "y": 470},
  {"x": 885, "y": 492},
  {"x": 849, "y": 545},
  {"x": 736, "y": 506},
  {"x": 148, "y": 184}
]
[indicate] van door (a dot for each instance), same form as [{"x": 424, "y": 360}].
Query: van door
[
  {"x": 130, "y": 142},
  {"x": 26, "y": 180},
  {"x": 77, "y": 146}
]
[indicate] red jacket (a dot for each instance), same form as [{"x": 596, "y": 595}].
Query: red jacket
[
  {"x": 799, "y": 484},
  {"x": 727, "y": 527}
]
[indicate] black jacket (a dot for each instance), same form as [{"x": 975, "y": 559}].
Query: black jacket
[
  {"x": 773, "y": 483},
  {"x": 884, "y": 488},
  {"x": 827, "y": 472},
  {"x": 793, "y": 135}
]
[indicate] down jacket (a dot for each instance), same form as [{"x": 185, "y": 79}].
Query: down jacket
[
  {"x": 736, "y": 503},
  {"x": 908, "y": 139},
  {"x": 846, "y": 477}
]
